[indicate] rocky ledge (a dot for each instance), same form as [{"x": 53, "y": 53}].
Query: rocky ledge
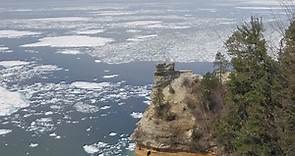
[{"x": 176, "y": 120}]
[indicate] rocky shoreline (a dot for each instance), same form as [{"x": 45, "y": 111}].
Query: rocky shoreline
[{"x": 177, "y": 120}]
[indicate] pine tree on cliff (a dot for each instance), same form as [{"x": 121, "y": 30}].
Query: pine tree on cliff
[
  {"x": 221, "y": 66},
  {"x": 247, "y": 124},
  {"x": 286, "y": 113}
]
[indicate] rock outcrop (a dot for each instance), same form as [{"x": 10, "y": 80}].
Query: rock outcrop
[{"x": 176, "y": 120}]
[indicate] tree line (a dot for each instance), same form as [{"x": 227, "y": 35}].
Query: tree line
[{"x": 258, "y": 114}]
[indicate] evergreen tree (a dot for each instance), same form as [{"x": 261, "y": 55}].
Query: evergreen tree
[
  {"x": 249, "y": 107},
  {"x": 221, "y": 66},
  {"x": 286, "y": 111}
]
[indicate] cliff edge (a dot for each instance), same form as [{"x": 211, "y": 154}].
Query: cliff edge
[{"x": 176, "y": 120}]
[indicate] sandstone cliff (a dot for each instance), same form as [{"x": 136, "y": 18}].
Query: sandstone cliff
[{"x": 176, "y": 120}]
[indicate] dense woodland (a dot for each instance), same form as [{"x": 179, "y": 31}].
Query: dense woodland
[{"x": 258, "y": 114}]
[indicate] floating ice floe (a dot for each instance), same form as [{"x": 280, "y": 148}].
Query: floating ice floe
[
  {"x": 148, "y": 102},
  {"x": 113, "y": 13},
  {"x": 61, "y": 98},
  {"x": 136, "y": 115},
  {"x": 91, "y": 85},
  {"x": 4, "y": 49},
  {"x": 71, "y": 41},
  {"x": 69, "y": 52},
  {"x": 90, "y": 32},
  {"x": 42, "y": 125},
  {"x": 61, "y": 19},
  {"x": 53, "y": 134},
  {"x": 11, "y": 102},
  {"x": 8, "y": 64},
  {"x": 141, "y": 38},
  {"x": 142, "y": 23},
  {"x": 97, "y": 61},
  {"x": 88, "y": 129},
  {"x": 133, "y": 31},
  {"x": 131, "y": 147},
  {"x": 16, "y": 33},
  {"x": 94, "y": 148},
  {"x": 5, "y": 131},
  {"x": 262, "y": 2},
  {"x": 260, "y": 8},
  {"x": 33, "y": 145},
  {"x": 110, "y": 76},
  {"x": 105, "y": 107},
  {"x": 48, "y": 113},
  {"x": 85, "y": 108},
  {"x": 112, "y": 134},
  {"x": 123, "y": 144},
  {"x": 17, "y": 71}
]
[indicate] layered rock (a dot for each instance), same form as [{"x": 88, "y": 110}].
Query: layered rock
[{"x": 176, "y": 120}]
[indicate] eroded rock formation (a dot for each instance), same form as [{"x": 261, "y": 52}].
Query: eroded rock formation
[{"x": 176, "y": 120}]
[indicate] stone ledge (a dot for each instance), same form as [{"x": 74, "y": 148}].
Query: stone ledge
[{"x": 141, "y": 151}]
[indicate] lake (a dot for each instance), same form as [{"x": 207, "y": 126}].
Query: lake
[{"x": 75, "y": 76}]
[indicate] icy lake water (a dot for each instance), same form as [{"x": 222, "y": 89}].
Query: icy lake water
[{"x": 75, "y": 76}]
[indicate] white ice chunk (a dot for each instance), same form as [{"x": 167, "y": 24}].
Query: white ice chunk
[
  {"x": 10, "y": 102},
  {"x": 94, "y": 148},
  {"x": 141, "y": 38},
  {"x": 136, "y": 115},
  {"x": 105, "y": 107},
  {"x": 69, "y": 52},
  {"x": 49, "y": 113},
  {"x": 142, "y": 23},
  {"x": 112, "y": 134},
  {"x": 90, "y": 32},
  {"x": 16, "y": 33},
  {"x": 70, "y": 41},
  {"x": 33, "y": 145},
  {"x": 61, "y": 19},
  {"x": 90, "y": 85},
  {"x": 110, "y": 76},
  {"x": 53, "y": 134},
  {"x": 8, "y": 64},
  {"x": 85, "y": 108},
  {"x": 5, "y": 131}
]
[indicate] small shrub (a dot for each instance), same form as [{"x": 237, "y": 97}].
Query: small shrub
[
  {"x": 171, "y": 116},
  {"x": 171, "y": 90}
]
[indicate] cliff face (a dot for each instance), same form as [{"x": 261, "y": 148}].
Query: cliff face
[{"x": 176, "y": 120}]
